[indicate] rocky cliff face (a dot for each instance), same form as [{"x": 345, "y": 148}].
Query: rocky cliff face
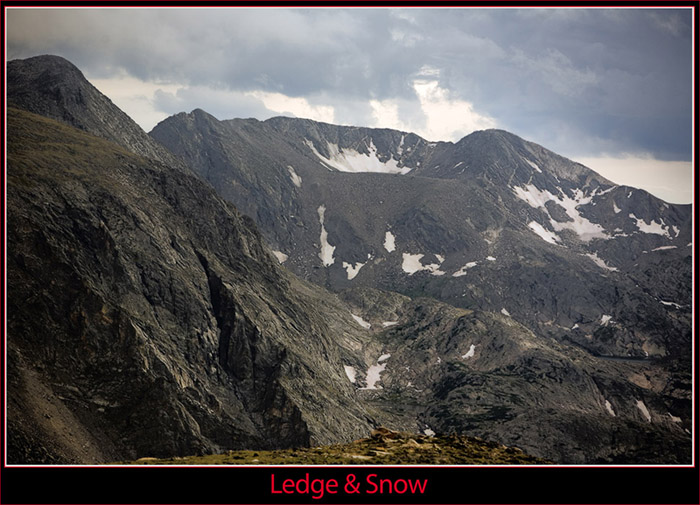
[
  {"x": 468, "y": 371},
  {"x": 152, "y": 310}
]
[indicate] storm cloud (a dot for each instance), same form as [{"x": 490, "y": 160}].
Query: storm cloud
[{"x": 583, "y": 82}]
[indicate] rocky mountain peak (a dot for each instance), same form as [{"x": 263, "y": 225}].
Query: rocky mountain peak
[
  {"x": 53, "y": 70},
  {"x": 511, "y": 159},
  {"x": 54, "y": 87}
]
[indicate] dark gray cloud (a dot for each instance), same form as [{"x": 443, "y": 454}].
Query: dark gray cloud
[{"x": 579, "y": 81}]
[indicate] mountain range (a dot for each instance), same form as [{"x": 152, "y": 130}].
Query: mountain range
[{"x": 242, "y": 284}]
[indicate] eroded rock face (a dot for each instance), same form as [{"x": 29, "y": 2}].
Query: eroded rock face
[
  {"x": 154, "y": 310},
  {"x": 467, "y": 371}
]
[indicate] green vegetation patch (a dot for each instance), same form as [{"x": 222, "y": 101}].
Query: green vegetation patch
[{"x": 384, "y": 447}]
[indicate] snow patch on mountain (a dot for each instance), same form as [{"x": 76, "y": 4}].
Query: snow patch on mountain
[
  {"x": 616, "y": 209},
  {"x": 350, "y": 372},
  {"x": 665, "y": 248},
  {"x": 463, "y": 271},
  {"x": 600, "y": 262},
  {"x": 295, "y": 178},
  {"x": 327, "y": 250},
  {"x": 652, "y": 227},
  {"x": 412, "y": 264},
  {"x": 505, "y": 312},
  {"x": 361, "y": 322},
  {"x": 387, "y": 324},
  {"x": 543, "y": 233},
  {"x": 351, "y": 270},
  {"x": 373, "y": 376},
  {"x": 389, "y": 242},
  {"x": 644, "y": 410},
  {"x": 585, "y": 229},
  {"x": 537, "y": 199},
  {"x": 533, "y": 196},
  {"x": 470, "y": 352},
  {"x": 281, "y": 257},
  {"x": 605, "y": 319},
  {"x": 374, "y": 372},
  {"x": 533, "y": 165},
  {"x": 609, "y": 408},
  {"x": 349, "y": 160}
]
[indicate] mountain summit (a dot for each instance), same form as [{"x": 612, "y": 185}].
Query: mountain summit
[{"x": 54, "y": 87}]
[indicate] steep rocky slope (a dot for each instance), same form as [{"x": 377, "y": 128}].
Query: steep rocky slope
[
  {"x": 466, "y": 371},
  {"x": 152, "y": 311}
]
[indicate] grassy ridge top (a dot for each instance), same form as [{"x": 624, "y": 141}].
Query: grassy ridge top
[{"x": 384, "y": 447}]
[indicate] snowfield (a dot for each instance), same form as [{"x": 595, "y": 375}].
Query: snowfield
[
  {"x": 361, "y": 322},
  {"x": 349, "y": 160},
  {"x": 296, "y": 180},
  {"x": 653, "y": 227},
  {"x": 389, "y": 242},
  {"x": 411, "y": 264},
  {"x": 350, "y": 372},
  {"x": 470, "y": 352},
  {"x": 537, "y": 199},
  {"x": 351, "y": 270},
  {"x": 599, "y": 261},
  {"x": 327, "y": 250},
  {"x": 374, "y": 372},
  {"x": 544, "y": 234}
]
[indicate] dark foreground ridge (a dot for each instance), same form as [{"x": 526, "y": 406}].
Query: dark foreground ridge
[{"x": 384, "y": 447}]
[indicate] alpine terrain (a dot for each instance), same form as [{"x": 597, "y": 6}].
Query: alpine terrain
[{"x": 486, "y": 288}]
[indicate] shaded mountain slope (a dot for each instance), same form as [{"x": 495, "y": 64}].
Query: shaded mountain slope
[
  {"x": 471, "y": 372},
  {"x": 167, "y": 330}
]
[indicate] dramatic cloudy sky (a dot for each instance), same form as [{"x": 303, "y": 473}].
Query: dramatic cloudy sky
[{"x": 611, "y": 88}]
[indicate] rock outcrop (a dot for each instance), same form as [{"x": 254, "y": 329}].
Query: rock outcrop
[{"x": 154, "y": 313}]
